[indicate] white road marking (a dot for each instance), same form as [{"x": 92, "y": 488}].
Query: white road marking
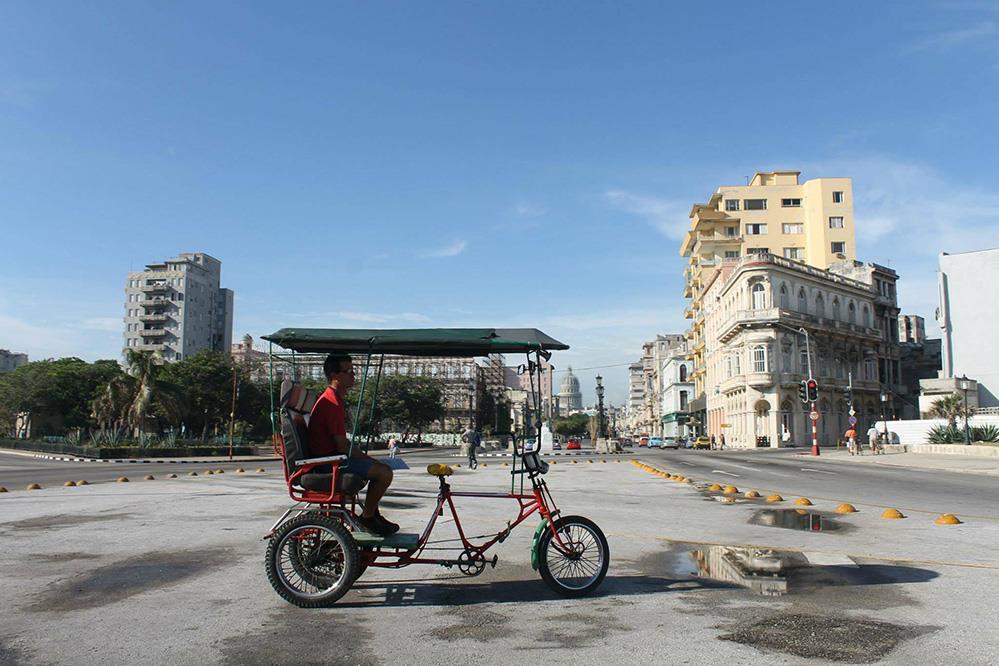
[
  {"x": 830, "y": 559},
  {"x": 718, "y": 471},
  {"x": 809, "y": 469}
]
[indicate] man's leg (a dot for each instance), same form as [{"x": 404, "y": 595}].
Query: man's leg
[{"x": 379, "y": 479}]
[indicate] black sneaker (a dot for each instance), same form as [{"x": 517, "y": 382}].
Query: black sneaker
[
  {"x": 376, "y": 526},
  {"x": 388, "y": 523}
]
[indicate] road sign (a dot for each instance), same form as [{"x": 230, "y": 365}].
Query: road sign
[
  {"x": 814, "y": 416},
  {"x": 726, "y": 425},
  {"x": 852, "y": 411},
  {"x": 852, "y": 420}
]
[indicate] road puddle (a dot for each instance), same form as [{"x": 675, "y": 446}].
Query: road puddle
[{"x": 796, "y": 519}]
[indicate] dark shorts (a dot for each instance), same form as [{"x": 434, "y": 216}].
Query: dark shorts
[{"x": 359, "y": 466}]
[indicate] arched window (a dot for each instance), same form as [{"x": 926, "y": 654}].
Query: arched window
[
  {"x": 759, "y": 296},
  {"x": 759, "y": 358},
  {"x": 728, "y": 365},
  {"x": 837, "y": 315},
  {"x": 851, "y": 313},
  {"x": 867, "y": 317},
  {"x": 802, "y": 300},
  {"x": 820, "y": 306},
  {"x": 838, "y": 361},
  {"x": 737, "y": 362},
  {"x": 683, "y": 372},
  {"x": 783, "y": 298}
]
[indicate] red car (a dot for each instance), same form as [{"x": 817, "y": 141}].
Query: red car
[{"x": 573, "y": 444}]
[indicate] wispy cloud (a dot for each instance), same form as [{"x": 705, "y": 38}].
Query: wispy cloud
[
  {"x": 667, "y": 216},
  {"x": 452, "y": 250},
  {"x": 530, "y": 209},
  {"x": 984, "y": 33}
]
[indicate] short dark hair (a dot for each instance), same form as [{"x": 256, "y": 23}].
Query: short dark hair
[{"x": 334, "y": 364}]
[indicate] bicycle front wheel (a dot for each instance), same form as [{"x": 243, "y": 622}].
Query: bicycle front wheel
[{"x": 578, "y": 565}]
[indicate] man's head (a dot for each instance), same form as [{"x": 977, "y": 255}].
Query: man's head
[{"x": 339, "y": 371}]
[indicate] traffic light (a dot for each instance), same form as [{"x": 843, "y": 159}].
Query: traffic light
[
  {"x": 848, "y": 394},
  {"x": 813, "y": 390},
  {"x": 803, "y": 390}
]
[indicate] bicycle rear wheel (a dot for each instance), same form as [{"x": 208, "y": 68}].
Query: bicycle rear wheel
[
  {"x": 312, "y": 561},
  {"x": 579, "y": 567}
]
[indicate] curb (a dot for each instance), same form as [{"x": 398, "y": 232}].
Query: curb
[{"x": 154, "y": 461}]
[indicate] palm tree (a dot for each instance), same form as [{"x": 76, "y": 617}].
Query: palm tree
[
  {"x": 949, "y": 407},
  {"x": 139, "y": 397}
]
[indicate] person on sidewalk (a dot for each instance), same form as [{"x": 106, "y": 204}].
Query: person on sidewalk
[
  {"x": 872, "y": 438},
  {"x": 470, "y": 440},
  {"x": 393, "y": 446},
  {"x": 851, "y": 441}
]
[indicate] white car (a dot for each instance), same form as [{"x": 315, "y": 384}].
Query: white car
[{"x": 670, "y": 442}]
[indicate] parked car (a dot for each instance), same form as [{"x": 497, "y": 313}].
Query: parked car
[
  {"x": 643, "y": 441},
  {"x": 701, "y": 442},
  {"x": 670, "y": 442},
  {"x": 627, "y": 443},
  {"x": 573, "y": 444},
  {"x": 655, "y": 442},
  {"x": 556, "y": 446}
]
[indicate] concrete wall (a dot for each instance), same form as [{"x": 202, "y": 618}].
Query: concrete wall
[{"x": 914, "y": 432}]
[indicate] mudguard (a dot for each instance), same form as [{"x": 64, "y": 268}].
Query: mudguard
[{"x": 534, "y": 543}]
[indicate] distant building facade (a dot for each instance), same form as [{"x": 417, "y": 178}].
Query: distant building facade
[
  {"x": 678, "y": 390},
  {"x": 10, "y": 361},
  {"x": 969, "y": 318},
  {"x": 178, "y": 308},
  {"x": 570, "y": 397},
  {"x": 920, "y": 358}
]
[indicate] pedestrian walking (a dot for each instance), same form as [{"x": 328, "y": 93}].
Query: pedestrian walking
[
  {"x": 851, "y": 441},
  {"x": 469, "y": 439},
  {"x": 721, "y": 442},
  {"x": 872, "y": 438},
  {"x": 713, "y": 442},
  {"x": 393, "y": 446}
]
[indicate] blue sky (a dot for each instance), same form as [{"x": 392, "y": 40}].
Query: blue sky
[{"x": 447, "y": 164}]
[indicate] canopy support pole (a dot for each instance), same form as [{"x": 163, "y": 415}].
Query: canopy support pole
[{"x": 360, "y": 404}]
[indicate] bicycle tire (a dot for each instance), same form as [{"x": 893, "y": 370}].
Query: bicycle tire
[
  {"x": 312, "y": 561},
  {"x": 584, "y": 533}
]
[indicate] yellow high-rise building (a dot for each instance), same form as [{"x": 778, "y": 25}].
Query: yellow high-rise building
[{"x": 810, "y": 222}]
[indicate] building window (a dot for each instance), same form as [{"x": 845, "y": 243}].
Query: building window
[
  {"x": 803, "y": 359},
  {"x": 835, "y": 222},
  {"x": 836, "y": 311},
  {"x": 683, "y": 401},
  {"x": 783, "y": 297},
  {"x": 820, "y": 306},
  {"x": 759, "y": 358},
  {"x": 851, "y": 313},
  {"x": 790, "y": 203},
  {"x": 731, "y": 232},
  {"x": 683, "y": 373},
  {"x": 731, "y": 204},
  {"x": 793, "y": 228},
  {"x": 871, "y": 369},
  {"x": 802, "y": 300},
  {"x": 737, "y": 363},
  {"x": 797, "y": 253},
  {"x": 755, "y": 229},
  {"x": 754, "y": 204},
  {"x": 759, "y": 296},
  {"x": 838, "y": 247},
  {"x": 758, "y": 250},
  {"x": 838, "y": 197},
  {"x": 867, "y": 317},
  {"x": 728, "y": 365},
  {"x": 731, "y": 254}
]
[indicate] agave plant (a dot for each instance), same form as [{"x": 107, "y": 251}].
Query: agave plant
[
  {"x": 947, "y": 434},
  {"x": 985, "y": 433}
]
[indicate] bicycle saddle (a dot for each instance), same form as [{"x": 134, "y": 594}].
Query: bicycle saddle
[{"x": 436, "y": 469}]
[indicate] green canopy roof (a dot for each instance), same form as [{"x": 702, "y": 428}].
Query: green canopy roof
[{"x": 416, "y": 341}]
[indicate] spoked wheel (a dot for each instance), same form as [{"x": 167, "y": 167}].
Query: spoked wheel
[
  {"x": 312, "y": 561},
  {"x": 578, "y": 565}
]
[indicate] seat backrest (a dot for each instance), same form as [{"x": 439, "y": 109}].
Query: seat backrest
[{"x": 295, "y": 435}]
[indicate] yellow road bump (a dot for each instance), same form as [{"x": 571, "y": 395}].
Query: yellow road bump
[
  {"x": 803, "y": 501},
  {"x": 714, "y": 487},
  {"x": 801, "y": 512},
  {"x": 505, "y": 465},
  {"x": 892, "y": 514},
  {"x": 122, "y": 479},
  {"x": 70, "y": 484},
  {"x": 192, "y": 473},
  {"x": 2, "y": 489},
  {"x": 33, "y": 486},
  {"x": 752, "y": 494},
  {"x": 261, "y": 470},
  {"x": 685, "y": 480},
  {"x": 220, "y": 471},
  {"x": 484, "y": 465},
  {"x": 731, "y": 490},
  {"x": 82, "y": 483},
  {"x": 172, "y": 476},
  {"x": 604, "y": 461},
  {"x": 575, "y": 462},
  {"x": 590, "y": 461},
  {"x": 149, "y": 477},
  {"x": 553, "y": 462},
  {"x": 846, "y": 508},
  {"x": 774, "y": 498},
  {"x": 947, "y": 519},
  {"x": 240, "y": 470},
  {"x": 208, "y": 471},
  {"x": 727, "y": 500}
]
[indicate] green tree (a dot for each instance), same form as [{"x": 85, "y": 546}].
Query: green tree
[
  {"x": 57, "y": 393},
  {"x": 410, "y": 403},
  {"x": 571, "y": 425},
  {"x": 143, "y": 400},
  {"x": 206, "y": 382},
  {"x": 950, "y": 407}
]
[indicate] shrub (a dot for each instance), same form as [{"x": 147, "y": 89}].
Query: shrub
[
  {"x": 947, "y": 434},
  {"x": 985, "y": 433}
]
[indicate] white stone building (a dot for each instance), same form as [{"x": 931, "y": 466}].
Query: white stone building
[
  {"x": 678, "y": 391},
  {"x": 968, "y": 315}
]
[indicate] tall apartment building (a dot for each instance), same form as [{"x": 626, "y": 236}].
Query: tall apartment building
[
  {"x": 810, "y": 223},
  {"x": 968, "y": 318},
  {"x": 177, "y": 307}
]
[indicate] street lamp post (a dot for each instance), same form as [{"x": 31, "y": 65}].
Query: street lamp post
[
  {"x": 884, "y": 419},
  {"x": 965, "y": 385},
  {"x": 600, "y": 408}
]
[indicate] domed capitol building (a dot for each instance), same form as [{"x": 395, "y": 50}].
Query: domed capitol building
[{"x": 570, "y": 398}]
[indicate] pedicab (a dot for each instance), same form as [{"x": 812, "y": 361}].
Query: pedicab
[{"x": 317, "y": 549}]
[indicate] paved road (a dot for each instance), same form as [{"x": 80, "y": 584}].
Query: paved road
[{"x": 795, "y": 473}]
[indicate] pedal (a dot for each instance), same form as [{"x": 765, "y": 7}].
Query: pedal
[{"x": 495, "y": 560}]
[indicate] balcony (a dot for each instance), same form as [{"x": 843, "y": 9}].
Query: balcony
[
  {"x": 156, "y": 288},
  {"x": 150, "y": 346},
  {"x": 748, "y": 318},
  {"x": 688, "y": 290},
  {"x": 793, "y": 319},
  {"x": 152, "y": 333},
  {"x": 688, "y": 312},
  {"x": 152, "y": 318},
  {"x": 158, "y": 301}
]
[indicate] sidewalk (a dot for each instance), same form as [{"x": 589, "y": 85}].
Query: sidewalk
[{"x": 937, "y": 461}]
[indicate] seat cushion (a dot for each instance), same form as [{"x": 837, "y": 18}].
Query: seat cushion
[{"x": 347, "y": 483}]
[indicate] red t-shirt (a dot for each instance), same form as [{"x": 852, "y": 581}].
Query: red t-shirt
[{"x": 328, "y": 419}]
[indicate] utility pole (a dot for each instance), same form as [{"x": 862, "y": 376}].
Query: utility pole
[{"x": 813, "y": 395}]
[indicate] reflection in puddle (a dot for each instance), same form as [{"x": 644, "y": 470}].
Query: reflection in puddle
[
  {"x": 795, "y": 519},
  {"x": 761, "y": 570}
]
